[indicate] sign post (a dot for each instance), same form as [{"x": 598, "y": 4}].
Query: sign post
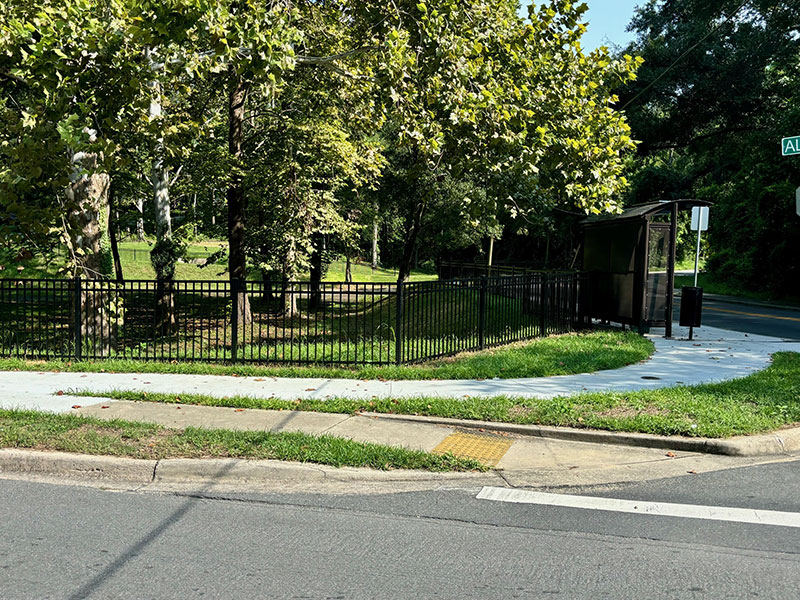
[{"x": 700, "y": 223}]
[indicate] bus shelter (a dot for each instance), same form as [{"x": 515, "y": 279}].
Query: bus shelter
[{"x": 630, "y": 259}]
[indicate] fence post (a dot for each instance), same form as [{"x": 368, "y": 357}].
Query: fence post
[
  {"x": 482, "y": 313},
  {"x": 234, "y": 319},
  {"x": 543, "y": 306},
  {"x": 76, "y": 316},
  {"x": 573, "y": 305},
  {"x": 398, "y": 329}
]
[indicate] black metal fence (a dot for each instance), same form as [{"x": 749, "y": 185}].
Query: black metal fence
[
  {"x": 296, "y": 322},
  {"x": 461, "y": 270}
]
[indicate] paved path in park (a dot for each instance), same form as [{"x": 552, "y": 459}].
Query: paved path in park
[{"x": 714, "y": 355}]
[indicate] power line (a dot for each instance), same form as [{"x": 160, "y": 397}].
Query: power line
[{"x": 681, "y": 57}]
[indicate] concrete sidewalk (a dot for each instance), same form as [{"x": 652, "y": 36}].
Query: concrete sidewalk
[
  {"x": 523, "y": 455},
  {"x": 714, "y": 355},
  {"x": 527, "y": 458}
]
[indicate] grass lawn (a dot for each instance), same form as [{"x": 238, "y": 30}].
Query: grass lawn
[
  {"x": 135, "y": 258},
  {"x": 556, "y": 355},
  {"x": 761, "y": 402},
  {"x": 365, "y": 273},
  {"x": 86, "y": 435}
]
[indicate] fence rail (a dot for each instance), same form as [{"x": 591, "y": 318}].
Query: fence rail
[{"x": 295, "y": 322}]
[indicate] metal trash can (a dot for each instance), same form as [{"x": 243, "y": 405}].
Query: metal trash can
[{"x": 691, "y": 306}]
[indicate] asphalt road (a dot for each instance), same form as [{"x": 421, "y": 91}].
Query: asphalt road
[
  {"x": 75, "y": 543},
  {"x": 749, "y": 318}
]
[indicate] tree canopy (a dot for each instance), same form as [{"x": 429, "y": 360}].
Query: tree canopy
[
  {"x": 300, "y": 123},
  {"x": 717, "y": 92}
]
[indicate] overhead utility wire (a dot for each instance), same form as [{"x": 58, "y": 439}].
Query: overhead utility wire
[{"x": 682, "y": 56}]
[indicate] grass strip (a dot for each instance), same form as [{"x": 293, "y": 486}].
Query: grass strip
[
  {"x": 761, "y": 402},
  {"x": 87, "y": 435},
  {"x": 558, "y": 355}
]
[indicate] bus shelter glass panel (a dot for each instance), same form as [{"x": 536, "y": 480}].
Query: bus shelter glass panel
[{"x": 657, "y": 288}]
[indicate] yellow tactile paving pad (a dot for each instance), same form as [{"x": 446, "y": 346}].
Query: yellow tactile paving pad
[{"x": 488, "y": 449}]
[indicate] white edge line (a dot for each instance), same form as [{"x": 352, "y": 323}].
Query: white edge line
[{"x": 661, "y": 509}]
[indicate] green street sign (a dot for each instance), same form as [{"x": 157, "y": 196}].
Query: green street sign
[{"x": 790, "y": 145}]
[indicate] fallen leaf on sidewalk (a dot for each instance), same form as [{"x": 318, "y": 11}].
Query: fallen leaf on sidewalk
[
  {"x": 105, "y": 406},
  {"x": 671, "y": 454},
  {"x": 76, "y": 406},
  {"x": 84, "y": 376},
  {"x": 177, "y": 408},
  {"x": 693, "y": 472},
  {"x": 239, "y": 410},
  {"x": 60, "y": 393},
  {"x": 258, "y": 379},
  {"x": 311, "y": 389}
]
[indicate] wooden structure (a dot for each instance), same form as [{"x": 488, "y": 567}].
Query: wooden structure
[{"x": 630, "y": 259}]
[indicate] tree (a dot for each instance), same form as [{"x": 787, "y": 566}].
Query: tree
[
  {"x": 717, "y": 92},
  {"x": 475, "y": 92}
]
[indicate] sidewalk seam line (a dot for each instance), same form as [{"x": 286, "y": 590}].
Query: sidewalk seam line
[{"x": 327, "y": 429}]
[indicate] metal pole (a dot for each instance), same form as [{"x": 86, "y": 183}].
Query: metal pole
[
  {"x": 697, "y": 255},
  {"x": 234, "y": 319},
  {"x": 398, "y": 323},
  {"x": 77, "y": 319},
  {"x": 673, "y": 234},
  {"x": 482, "y": 313}
]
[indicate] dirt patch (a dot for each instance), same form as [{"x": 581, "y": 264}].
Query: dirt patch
[
  {"x": 623, "y": 412},
  {"x": 519, "y": 412}
]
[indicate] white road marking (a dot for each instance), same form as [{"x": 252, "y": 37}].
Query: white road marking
[{"x": 661, "y": 509}]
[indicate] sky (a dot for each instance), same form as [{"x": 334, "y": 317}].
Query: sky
[{"x": 607, "y": 21}]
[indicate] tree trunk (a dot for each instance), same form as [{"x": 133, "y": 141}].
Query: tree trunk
[
  {"x": 112, "y": 234},
  {"x": 375, "y": 239},
  {"x": 237, "y": 261},
  {"x": 163, "y": 255},
  {"x": 413, "y": 227},
  {"x": 140, "y": 219},
  {"x": 288, "y": 293},
  {"x": 194, "y": 214},
  {"x": 87, "y": 221},
  {"x": 348, "y": 271},
  {"x": 315, "y": 279}
]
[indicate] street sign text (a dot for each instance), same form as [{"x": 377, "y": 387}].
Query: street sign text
[{"x": 790, "y": 145}]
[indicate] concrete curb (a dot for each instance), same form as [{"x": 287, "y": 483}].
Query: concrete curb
[
  {"x": 231, "y": 471},
  {"x": 781, "y": 442},
  {"x": 77, "y": 466}
]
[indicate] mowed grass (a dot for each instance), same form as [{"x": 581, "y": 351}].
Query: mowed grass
[
  {"x": 761, "y": 402},
  {"x": 362, "y": 272},
  {"x": 135, "y": 259},
  {"x": 87, "y": 435},
  {"x": 556, "y": 355}
]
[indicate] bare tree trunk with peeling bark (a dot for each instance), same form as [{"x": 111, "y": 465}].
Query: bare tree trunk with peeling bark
[
  {"x": 140, "y": 219},
  {"x": 87, "y": 225},
  {"x": 237, "y": 260},
  {"x": 163, "y": 255},
  {"x": 375, "y": 241}
]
